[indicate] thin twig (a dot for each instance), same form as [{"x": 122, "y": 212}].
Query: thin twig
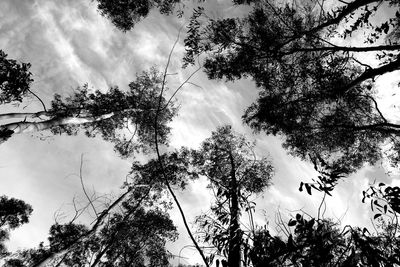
[
  {"x": 320, "y": 205},
  {"x": 84, "y": 189},
  {"x": 44, "y": 107},
  {"x": 162, "y": 165}
]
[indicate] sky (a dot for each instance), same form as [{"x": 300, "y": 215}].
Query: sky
[{"x": 69, "y": 44}]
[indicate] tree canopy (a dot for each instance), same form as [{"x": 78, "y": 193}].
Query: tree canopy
[
  {"x": 15, "y": 79},
  {"x": 125, "y": 14},
  {"x": 315, "y": 89},
  {"x": 123, "y": 118}
]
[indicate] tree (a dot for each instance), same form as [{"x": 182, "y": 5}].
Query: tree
[
  {"x": 13, "y": 213},
  {"x": 228, "y": 160},
  {"x": 315, "y": 90},
  {"x": 123, "y": 118}
]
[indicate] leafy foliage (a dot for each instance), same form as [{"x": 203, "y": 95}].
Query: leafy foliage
[
  {"x": 318, "y": 95},
  {"x": 124, "y": 241},
  {"x": 15, "y": 79},
  {"x": 135, "y": 234},
  {"x": 135, "y": 109},
  {"x": 125, "y": 14},
  {"x": 322, "y": 243},
  {"x": 227, "y": 159},
  {"x": 13, "y": 213},
  {"x": 127, "y": 119}
]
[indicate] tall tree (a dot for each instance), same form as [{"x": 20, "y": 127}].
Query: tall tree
[
  {"x": 228, "y": 160},
  {"x": 126, "y": 14},
  {"x": 123, "y": 118},
  {"x": 316, "y": 89}
]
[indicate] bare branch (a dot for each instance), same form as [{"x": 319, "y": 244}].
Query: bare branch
[{"x": 161, "y": 164}]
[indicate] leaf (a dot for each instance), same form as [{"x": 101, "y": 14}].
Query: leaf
[
  {"x": 381, "y": 184},
  {"x": 301, "y": 187},
  {"x": 310, "y": 224},
  {"x": 308, "y": 188},
  {"x": 376, "y": 216},
  {"x": 365, "y": 230},
  {"x": 292, "y": 222}
]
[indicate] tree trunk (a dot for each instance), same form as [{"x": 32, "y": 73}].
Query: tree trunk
[
  {"x": 9, "y": 129},
  {"x": 235, "y": 236},
  {"x": 27, "y": 126}
]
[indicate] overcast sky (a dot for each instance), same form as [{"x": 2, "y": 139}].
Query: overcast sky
[{"x": 68, "y": 44}]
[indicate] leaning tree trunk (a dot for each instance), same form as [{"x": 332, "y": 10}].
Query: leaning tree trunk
[
  {"x": 235, "y": 237},
  {"x": 24, "y": 126}
]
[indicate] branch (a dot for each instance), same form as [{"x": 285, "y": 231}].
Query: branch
[
  {"x": 372, "y": 73},
  {"x": 44, "y": 107},
  {"x": 347, "y": 10},
  {"x": 166, "y": 181}
]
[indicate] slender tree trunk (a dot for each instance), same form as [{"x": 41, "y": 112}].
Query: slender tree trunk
[
  {"x": 235, "y": 237},
  {"x": 24, "y": 126},
  {"x": 27, "y": 126}
]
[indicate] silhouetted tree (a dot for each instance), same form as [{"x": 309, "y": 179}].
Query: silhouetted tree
[
  {"x": 322, "y": 243},
  {"x": 315, "y": 89},
  {"x": 229, "y": 162}
]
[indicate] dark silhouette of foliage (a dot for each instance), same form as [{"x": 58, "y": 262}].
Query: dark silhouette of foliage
[
  {"x": 318, "y": 94},
  {"x": 126, "y": 13},
  {"x": 384, "y": 200},
  {"x": 15, "y": 79},
  {"x": 322, "y": 243},
  {"x": 13, "y": 213}
]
